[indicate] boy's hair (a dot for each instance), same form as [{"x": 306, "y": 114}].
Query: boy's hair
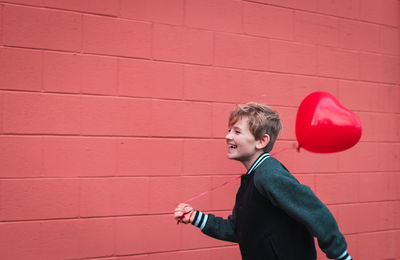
[{"x": 262, "y": 120}]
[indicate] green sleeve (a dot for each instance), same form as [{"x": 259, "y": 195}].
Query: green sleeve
[
  {"x": 216, "y": 227},
  {"x": 273, "y": 181}
]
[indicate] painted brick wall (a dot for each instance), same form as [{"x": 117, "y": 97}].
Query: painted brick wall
[{"x": 113, "y": 111}]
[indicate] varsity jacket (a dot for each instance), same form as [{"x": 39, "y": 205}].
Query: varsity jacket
[{"x": 276, "y": 217}]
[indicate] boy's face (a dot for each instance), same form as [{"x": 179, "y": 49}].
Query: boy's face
[{"x": 242, "y": 145}]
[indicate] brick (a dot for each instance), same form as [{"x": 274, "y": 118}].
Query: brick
[
  {"x": 39, "y": 199},
  {"x": 220, "y": 118},
  {"x": 198, "y": 254},
  {"x": 287, "y": 117},
  {"x": 394, "y": 182},
  {"x": 343, "y": 8},
  {"x": 374, "y": 130},
  {"x": 231, "y": 252},
  {"x": 371, "y": 67},
  {"x": 190, "y": 119},
  {"x": 132, "y": 235},
  {"x": 359, "y": 36},
  {"x": 374, "y": 187},
  {"x": 389, "y": 37},
  {"x": 108, "y": 7},
  {"x": 212, "y": 84},
  {"x": 375, "y": 245},
  {"x": 139, "y": 78},
  {"x": 368, "y": 96},
  {"x": 21, "y": 156},
  {"x": 130, "y": 196},
  {"x": 293, "y": 57},
  {"x": 20, "y": 69},
  {"x": 393, "y": 238},
  {"x": 1, "y": 112},
  {"x": 160, "y": 241},
  {"x": 175, "y": 43},
  {"x": 149, "y": 157},
  {"x": 98, "y": 156},
  {"x": 338, "y": 188},
  {"x": 168, "y": 255},
  {"x": 371, "y": 11},
  {"x": 316, "y": 29},
  {"x": 222, "y": 15},
  {"x": 365, "y": 217},
  {"x": 394, "y": 212},
  {"x": 165, "y": 194},
  {"x": 390, "y": 14},
  {"x": 134, "y": 257},
  {"x": 66, "y": 157},
  {"x": 390, "y": 68},
  {"x": 208, "y": 157},
  {"x": 379, "y": 68},
  {"x": 58, "y": 239},
  {"x": 169, "y": 12},
  {"x": 99, "y": 75},
  {"x": 361, "y": 157},
  {"x": 389, "y": 154},
  {"x": 283, "y": 90},
  {"x": 237, "y": 51},
  {"x": 223, "y": 197},
  {"x": 20, "y": 240},
  {"x": 124, "y": 38},
  {"x": 307, "y": 180},
  {"x": 96, "y": 237},
  {"x": 1, "y": 24},
  {"x": 62, "y": 72},
  {"x": 96, "y": 197},
  {"x": 192, "y": 186},
  {"x": 40, "y": 28},
  {"x": 116, "y": 196},
  {"x": 268, "y": 21},
  {"x": 310, "y": 5},
  {"x": 304, "y": 161},
  {"x": 27, "y": 2},
  {"x": 115, "y": 116},
  {"x": 41, "y": 113},
  {"x": 338, "y": 63}
]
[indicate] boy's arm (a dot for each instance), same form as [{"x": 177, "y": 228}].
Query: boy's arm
[
  {"x": 216, "y": 227},
  {"x": 300, "y": 202}
]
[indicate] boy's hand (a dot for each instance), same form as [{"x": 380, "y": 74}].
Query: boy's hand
[{"x": 184, "y": 213}]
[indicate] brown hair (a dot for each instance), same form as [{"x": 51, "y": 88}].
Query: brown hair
[{"x": 262, "y": 120}]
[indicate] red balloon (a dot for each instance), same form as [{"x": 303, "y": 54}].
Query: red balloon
[{"x": 323, "y": 125}]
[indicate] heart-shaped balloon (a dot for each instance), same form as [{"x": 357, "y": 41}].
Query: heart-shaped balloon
[{"x": 323, "y": 125}]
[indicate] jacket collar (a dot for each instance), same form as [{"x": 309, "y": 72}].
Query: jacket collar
[{"x": 257, "y": 163}]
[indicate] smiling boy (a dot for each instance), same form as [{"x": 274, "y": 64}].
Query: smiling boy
[{"x": 274, "y": 217}]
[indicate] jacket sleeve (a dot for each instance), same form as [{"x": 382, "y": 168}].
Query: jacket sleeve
[
  {"x": 298, "y": 201},
  {"x": 216, "y": 227}
]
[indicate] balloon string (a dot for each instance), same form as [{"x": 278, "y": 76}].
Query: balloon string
[
  {"x": 228, "y": 181},
  {"x": 223, "y": 184}
]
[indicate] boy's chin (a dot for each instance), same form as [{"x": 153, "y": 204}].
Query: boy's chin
[{"x": 232, "y": 157}]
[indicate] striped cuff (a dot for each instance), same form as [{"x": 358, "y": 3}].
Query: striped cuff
[
  {"x": 344, "y": 256},
  {"x": 200, "y": 220}
]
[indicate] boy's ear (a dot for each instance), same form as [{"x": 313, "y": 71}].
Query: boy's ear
[{"x": 263, "y": 142}]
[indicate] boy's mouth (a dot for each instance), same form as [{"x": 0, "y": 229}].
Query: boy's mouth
[{"x": 232, "y": 146}]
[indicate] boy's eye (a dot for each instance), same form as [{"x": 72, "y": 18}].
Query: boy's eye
[{"x": 237, "y": 132}]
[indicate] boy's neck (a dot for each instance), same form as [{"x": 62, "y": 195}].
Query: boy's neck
[{"x": 248, "y": 163}]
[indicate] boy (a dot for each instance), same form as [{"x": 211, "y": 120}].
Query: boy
[{"x": 274, "y": 217}]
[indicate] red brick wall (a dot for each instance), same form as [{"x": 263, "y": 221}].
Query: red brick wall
[{"x": 113, "y": 111}]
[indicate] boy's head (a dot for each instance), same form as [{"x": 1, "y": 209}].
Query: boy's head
[{"x": 261, "y": 120}]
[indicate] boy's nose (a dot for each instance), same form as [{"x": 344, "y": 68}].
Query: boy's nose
[{"x": 228, "y": 136}]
